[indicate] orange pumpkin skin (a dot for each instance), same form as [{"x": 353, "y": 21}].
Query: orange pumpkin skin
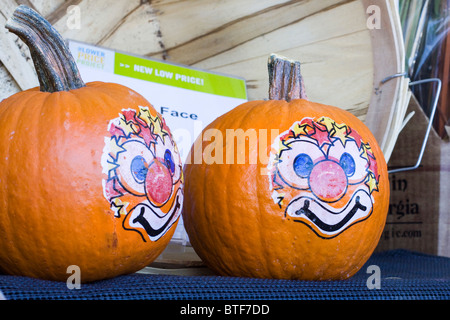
[
  {"x": 53, "y": 208},
  {"x": 237, "y": 226}
]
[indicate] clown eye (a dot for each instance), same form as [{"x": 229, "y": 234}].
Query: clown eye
[
  {"x": 168, "y": 159},
  {"x": 139, "y": 169},
  {"x": 132, "y": 165},
  {"x": 296, "y": 161},
  {"x": 303, "y": 165},
  {"x": 348, "y": 164},
  {"x": 351, "y": 161},
  {"x": 168, "y": 154}
]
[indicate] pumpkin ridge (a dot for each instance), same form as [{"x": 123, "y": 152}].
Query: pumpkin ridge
[
  {"x": 272, "y": 268},
  {"x": 242, "y": 254},
  {"x": 222, "y": 222},
  {"x": 260, "y": 195},
  {"x": 17, "y": 109},
  {"x": 39, "y": 124}
]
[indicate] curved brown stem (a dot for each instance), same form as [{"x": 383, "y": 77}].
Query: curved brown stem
[
  {"x": 285, "y": 79},
  {"x": 55, "y": 66}
]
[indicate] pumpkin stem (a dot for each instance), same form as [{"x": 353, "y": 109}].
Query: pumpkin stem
[
  {"x": 285, "y": 79},
  {"x": 55, "y": 66}
]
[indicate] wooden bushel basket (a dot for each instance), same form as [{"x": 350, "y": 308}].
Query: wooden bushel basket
[{"x": 347, "y": 49}]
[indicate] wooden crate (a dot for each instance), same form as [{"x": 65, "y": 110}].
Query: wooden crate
[
  {"x": 330, "y": 37},
  {"x": 343, "y": 59}
]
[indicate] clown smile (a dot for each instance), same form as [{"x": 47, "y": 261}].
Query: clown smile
[
  {"x": 151, "y": 219},
  {"x": 327, "y": 221},
  {"x": 326, "y": 174}
]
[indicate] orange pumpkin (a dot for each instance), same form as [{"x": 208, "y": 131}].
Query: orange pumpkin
[
  {"x": 89, "y": 173},
  {"x": 295, "y": 190}
]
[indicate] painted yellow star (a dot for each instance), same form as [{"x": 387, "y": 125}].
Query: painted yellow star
[
  {"x": 127, "y": 127},
  {"x": 144, "y": 115},
  {"x": 365, "y": 147},
  {"x": 110, "y": 167},
  {"x": 119, "y": 207},
  {"x": 282, "y": 147},
  {"x": 327, "y": 122},
  {"x": 157, "y": 128},
  {"x": 340, "y": 132},
  {"x": 114, "y": 148},
  {"x": 300, "y": 129},
  {"x": 371, "y": 182}
]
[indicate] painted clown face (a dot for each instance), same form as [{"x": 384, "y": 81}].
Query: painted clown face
[
  {"x": 323, "y": 175},
  {"x": 144, "y": 171}
]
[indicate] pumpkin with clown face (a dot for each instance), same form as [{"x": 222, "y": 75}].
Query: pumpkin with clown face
[
  {"x": 324, "y": 174},
  {"x": 90, "y": 173},
  {"x": 311, "y": 207}
]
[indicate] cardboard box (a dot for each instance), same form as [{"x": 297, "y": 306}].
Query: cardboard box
[{"x": 419, "y": 209}]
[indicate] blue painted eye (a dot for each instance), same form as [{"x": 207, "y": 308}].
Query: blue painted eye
[
  {"x": 168, "y": 159},
  {"x": 303, "y": 165},
  {"x": 347, "y": 163},
  {"x": 139, "y": 169}
]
